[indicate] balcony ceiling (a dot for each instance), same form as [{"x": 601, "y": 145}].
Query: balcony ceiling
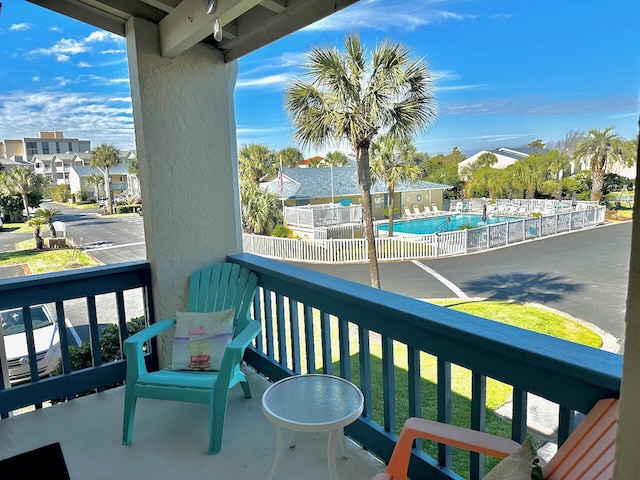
[{"x": 246, "y": 24}]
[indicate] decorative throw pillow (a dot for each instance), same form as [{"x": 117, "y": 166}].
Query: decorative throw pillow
[
  {"x": 200, "y": 339},
  {"x": 516, "y": 466}
]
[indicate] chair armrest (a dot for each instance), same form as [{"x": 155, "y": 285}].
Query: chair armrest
[
  {"x": 233, "y": 354},
  {"x": 133, "y": 347},
  {"x": 465, "y": 438}
]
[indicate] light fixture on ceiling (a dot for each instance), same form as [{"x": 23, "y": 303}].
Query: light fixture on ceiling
[
  {"x": 210, "y": 6},
  {"x": 217, "y": 31}
]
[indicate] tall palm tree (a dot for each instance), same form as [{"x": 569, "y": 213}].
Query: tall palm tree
[
  {"x": 47, "y": 215},
  {"x": 354, "y": 95},
  {"x": 530, "y": 174},
  {"x": 95, "y": 181},
  {"x": 22, "y": 181},
  {"x": 598, "y": 148},
  {"x": 390, "y": 162},
  {"x": 256, "y": 161},
  {"x": 290, "y": 157},
  {"x": 106, "y": 156}
]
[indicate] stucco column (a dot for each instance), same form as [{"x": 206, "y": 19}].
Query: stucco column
[
  {"x": 627, "y": 459},
  {"x": 186, "y": 146}
]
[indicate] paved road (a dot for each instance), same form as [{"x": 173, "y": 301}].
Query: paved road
[{"x": 582, "y": 273}]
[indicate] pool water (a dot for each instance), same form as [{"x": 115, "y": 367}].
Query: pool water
[{"x": 425, "y": 226}]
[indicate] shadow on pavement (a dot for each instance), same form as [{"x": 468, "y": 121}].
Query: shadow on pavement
[{"x": 523, "y": 287}]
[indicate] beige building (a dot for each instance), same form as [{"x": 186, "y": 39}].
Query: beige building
[{"x": 46, "y": 143}]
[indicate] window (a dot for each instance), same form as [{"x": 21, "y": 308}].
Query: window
[
  {"x": 70, "y": 147},
  {"x": 32, "y": 149},
  {"x": 45, "y": 148},
  {"x": 57, "y": 147}
]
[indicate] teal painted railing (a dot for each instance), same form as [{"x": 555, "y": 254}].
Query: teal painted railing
[
  {"x": 314, "y": 322},
  {"x": 57, "y": 288}
]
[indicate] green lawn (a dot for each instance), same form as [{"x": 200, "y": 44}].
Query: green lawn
[{"x": 45, "y": 261}]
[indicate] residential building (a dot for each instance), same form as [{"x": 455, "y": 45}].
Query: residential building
[
  {"x": 57, "y": 166},
  {"x": 119, "y": 177},
  {"x": 506, "y": 156},
  {"x": 46, "y": 143},
  {"x": 313, "y": 186}
]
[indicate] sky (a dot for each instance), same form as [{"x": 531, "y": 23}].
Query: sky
[{"x": 506, "y": 72}]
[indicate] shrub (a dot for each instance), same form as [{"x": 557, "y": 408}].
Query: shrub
[
  {"x": 60, "y": 193},
  {"x": 281, "y": 231},
  {"x": 126, "y": 208},
  {"x": 110, "y": 351}
]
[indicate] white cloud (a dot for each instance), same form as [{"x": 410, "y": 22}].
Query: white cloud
[
  {"x": 62, "y": 81},
  {"x": 84, "y": 115},
  {"x": 84, "y": 65},
  {"x": 459, "y": 87},
  {"x": 112, "y": 51},
  {"x": 69, "y": 46},
  {"x": 389, "y": 14},
  {"x": 55, "y": 29},
  {"x": 20, "y": 27},
  {"x": 36, "y": 79},
  {"x": 268, "y": 81}
]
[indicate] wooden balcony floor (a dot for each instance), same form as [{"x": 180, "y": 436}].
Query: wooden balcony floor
[{"x": 170, "y": 441}]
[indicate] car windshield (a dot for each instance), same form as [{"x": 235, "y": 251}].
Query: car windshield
[{"x": 13, "y": 320}]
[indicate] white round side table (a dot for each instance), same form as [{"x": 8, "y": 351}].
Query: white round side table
[{"x": 312, "y": 403}]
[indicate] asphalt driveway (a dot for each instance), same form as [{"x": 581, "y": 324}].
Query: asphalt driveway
[{"x": 583, "y": 274}]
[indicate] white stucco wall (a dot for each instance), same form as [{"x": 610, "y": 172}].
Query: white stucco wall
[
  {"x": 191, "y": 201},
  {"x": 627, "y": 458}
]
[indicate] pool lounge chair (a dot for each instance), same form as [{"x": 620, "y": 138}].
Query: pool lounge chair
[
  {"x": 418, "y": 213},
  {"x": 408, "y": 213},
  {"x": 435, "y": 209}
]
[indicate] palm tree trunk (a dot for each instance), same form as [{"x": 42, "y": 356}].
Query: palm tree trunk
[
  {"x": 597, "y": 182},
  {"x": 38, "y": 238},
  {"x": 25, "y": 202},
  {"x": 364, "y": 179},
  {"x": 107, "y": 189},
  {"x": 391, "y": 208}
]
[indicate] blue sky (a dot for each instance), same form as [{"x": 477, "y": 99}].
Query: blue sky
[{"x": 507, "y": 72}]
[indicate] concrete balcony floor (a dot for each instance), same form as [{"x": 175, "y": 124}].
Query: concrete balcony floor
[{"x": 170, "y": 441}]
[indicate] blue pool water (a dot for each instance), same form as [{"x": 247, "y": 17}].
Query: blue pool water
[{"x": 424, "y": 226}]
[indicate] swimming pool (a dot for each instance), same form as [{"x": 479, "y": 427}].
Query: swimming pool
[{"x": 425, "y": 226}]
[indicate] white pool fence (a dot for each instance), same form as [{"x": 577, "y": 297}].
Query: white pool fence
[{"x": 415, "y": 247}]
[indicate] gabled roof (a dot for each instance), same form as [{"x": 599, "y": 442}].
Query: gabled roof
[
  {"x": 85, "y": 171},
  {"x": 316, "y": 183}
]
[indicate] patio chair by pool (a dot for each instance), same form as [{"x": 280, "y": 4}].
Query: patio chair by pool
[
  {"x": 408, "y": 213},
  {"x": 217, "y": 288},
  {"x": 587, "y": 454},
  {"x": 435, "y": 209},
  {"x": 418, "y": 213}
]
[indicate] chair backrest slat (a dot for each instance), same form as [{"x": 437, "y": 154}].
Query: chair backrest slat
[
  {"x": 589, "y": 450},
  {"x": 222, "y": 286}
]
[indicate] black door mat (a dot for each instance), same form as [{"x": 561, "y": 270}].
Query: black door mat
[{"x": 44, "y": 463}]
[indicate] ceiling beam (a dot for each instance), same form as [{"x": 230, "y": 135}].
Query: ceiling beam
[
  {"x": 258, "y": 28},
  {"x": 188, "y": 23}
]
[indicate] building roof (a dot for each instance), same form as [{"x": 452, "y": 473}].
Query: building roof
[
  {"x": 85, "y": 171},
  {"x": 316, "y": 183}
]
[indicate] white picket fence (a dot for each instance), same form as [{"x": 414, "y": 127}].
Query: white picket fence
[{"x": 415, "y": 247}]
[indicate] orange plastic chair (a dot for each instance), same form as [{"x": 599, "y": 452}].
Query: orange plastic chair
[{"x": 588, "y": 453}]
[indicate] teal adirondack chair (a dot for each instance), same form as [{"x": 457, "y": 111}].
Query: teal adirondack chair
[{"x": 214, "y": 288}]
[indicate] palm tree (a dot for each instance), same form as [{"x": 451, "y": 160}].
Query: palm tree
[
  {"x": 47, "y": 214},
  {"x": 256, "y": 161},
  {"x": 530, "y": 174},
  {"x": 106, "y": 156},
  {"x": 22, "y": 181},
  {"x": 95, "y": 181},
  {"x": 261, "y": 210},
  {"x": 390, "y": 159},
  {"x": 290, "y": 156},
  {"x": 36, "y": 223},
  {"x": 597, "y": 148},
  {"x": 352, "y": 96},
  {"x": 336, "y": 159}
]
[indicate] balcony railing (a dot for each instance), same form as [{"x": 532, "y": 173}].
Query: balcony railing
[
  {"x": 89, "y": 286},
  {"x": 313, "y": 322},
  {"x": 358, "y": 333}
]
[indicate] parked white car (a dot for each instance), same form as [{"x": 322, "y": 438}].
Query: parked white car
[{"x": 46, "y": 338}]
